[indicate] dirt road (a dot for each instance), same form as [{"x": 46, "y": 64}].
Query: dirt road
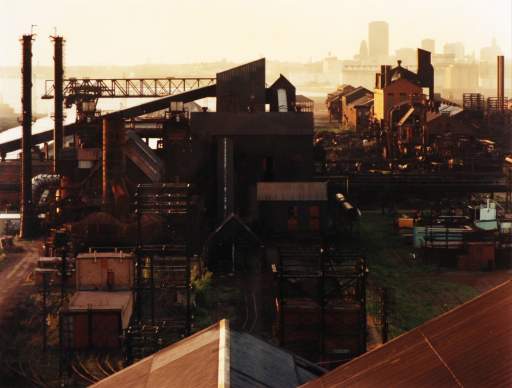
[{"x": 16, "y": 276}]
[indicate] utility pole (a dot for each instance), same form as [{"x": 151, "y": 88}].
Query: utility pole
[{"x": 45, "y": 310}]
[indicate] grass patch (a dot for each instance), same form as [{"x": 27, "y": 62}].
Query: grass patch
[
  {"x": 417, "y": 292},
  {"x": 215, "y": 300}
]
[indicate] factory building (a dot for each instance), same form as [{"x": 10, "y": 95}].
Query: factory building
[{"x": 217, "y": 357}]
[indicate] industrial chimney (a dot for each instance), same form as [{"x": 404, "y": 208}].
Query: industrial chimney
[
  {"x": 58, "y": 131},
  {"x": 501, "y": 82},
  {"x": 26, "y": 139}
]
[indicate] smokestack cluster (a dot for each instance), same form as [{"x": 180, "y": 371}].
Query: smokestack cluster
[
  {"x": 26, "y": 140},
  {"x": 385, "y": 75}
]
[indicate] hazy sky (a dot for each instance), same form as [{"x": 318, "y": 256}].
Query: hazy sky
[{"x": 169, "y": 31}]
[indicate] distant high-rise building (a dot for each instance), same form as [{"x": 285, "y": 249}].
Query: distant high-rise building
[
  {"x": 429, "y": 45},
  {"x": 454, "y": 48},
  {"x": 363, "y": 50},
  {"x": 489, "y": 54},
  {"x": 378, "y": 39}
]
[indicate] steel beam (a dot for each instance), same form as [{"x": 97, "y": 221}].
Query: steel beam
[{"x": 126, "y": 87}]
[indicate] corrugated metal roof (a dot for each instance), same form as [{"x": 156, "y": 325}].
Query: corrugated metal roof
[
  {"x": 99, "y": 300},
  {"x": 356, "y": 94},
  {"x": 213, "y": 357},
  {"x": 363, "y": 101},
  {"x": 192, "y": 362},
  {"x": 469, "y": 346},
  {"x": 292, "y": 191}
]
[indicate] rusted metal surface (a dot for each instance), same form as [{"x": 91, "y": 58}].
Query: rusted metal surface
[
  {"x": 192, "y": 362},
  {"x": 469, "y": 346},
  {"x": 321, "y": 302},
  {"x": 97, "y": 318},
  {"x": 26, "y": 140},
  {"x": 113, "y": 161},
  {"x": 291, "y": 191},
  {"x": 501, "y": 77}
]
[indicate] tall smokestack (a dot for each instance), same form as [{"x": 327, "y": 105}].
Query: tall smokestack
[
  {"x": 387, "y": 70},
  {"x": 26, "y": 141},
  {"x": 382, "y": 76},
  {"x": 501, "y": 82},
  {"x": 58, "y": 131}
]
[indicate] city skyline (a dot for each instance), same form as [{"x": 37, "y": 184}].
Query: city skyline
[{"x": 187, "y": 33}]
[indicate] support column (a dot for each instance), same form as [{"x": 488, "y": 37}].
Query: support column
[
  {"x": 105, "y": 175},
  {"x": 113, "y": 167}
]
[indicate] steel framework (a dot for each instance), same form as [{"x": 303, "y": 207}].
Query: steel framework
[
  {"x": 315, "y": 288},
  {"x": 162, "y": 270},
  {"x": 125, "y": 87}
]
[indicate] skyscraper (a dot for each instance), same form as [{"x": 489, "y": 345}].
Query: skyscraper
[
  {"x": 429, "y": 45},
  {"x": 456, "y": 49},
  {"x": 363, "y": 50},
  {"x": 378, "y": 39}
]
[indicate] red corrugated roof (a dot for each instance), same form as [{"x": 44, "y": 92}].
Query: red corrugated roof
[
  {"x": 216, "y": 357},
  {"x": 469, "y": 346},
  {"x": 192, "y": 362}
]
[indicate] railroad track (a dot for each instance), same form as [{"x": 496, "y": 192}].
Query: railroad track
[
  {"x": 92, "y": 368},
  {"x": 250, "y": 319},
  {"x": 11, "y": 361}
]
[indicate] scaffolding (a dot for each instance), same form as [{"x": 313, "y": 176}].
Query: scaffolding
[
  {"x": 163, "y": 271},
  {"x": 497, "y": 104},
  {"x": 321, "y": 303},
  {"x": 473, "y": 102}
]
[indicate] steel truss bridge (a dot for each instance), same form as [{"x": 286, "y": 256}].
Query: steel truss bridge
[{"x": 126, "y": 87}]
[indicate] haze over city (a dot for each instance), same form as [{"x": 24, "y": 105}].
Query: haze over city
[
  {"x": 161, "y": 31},
  {"x": 241, "y": 193}
]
